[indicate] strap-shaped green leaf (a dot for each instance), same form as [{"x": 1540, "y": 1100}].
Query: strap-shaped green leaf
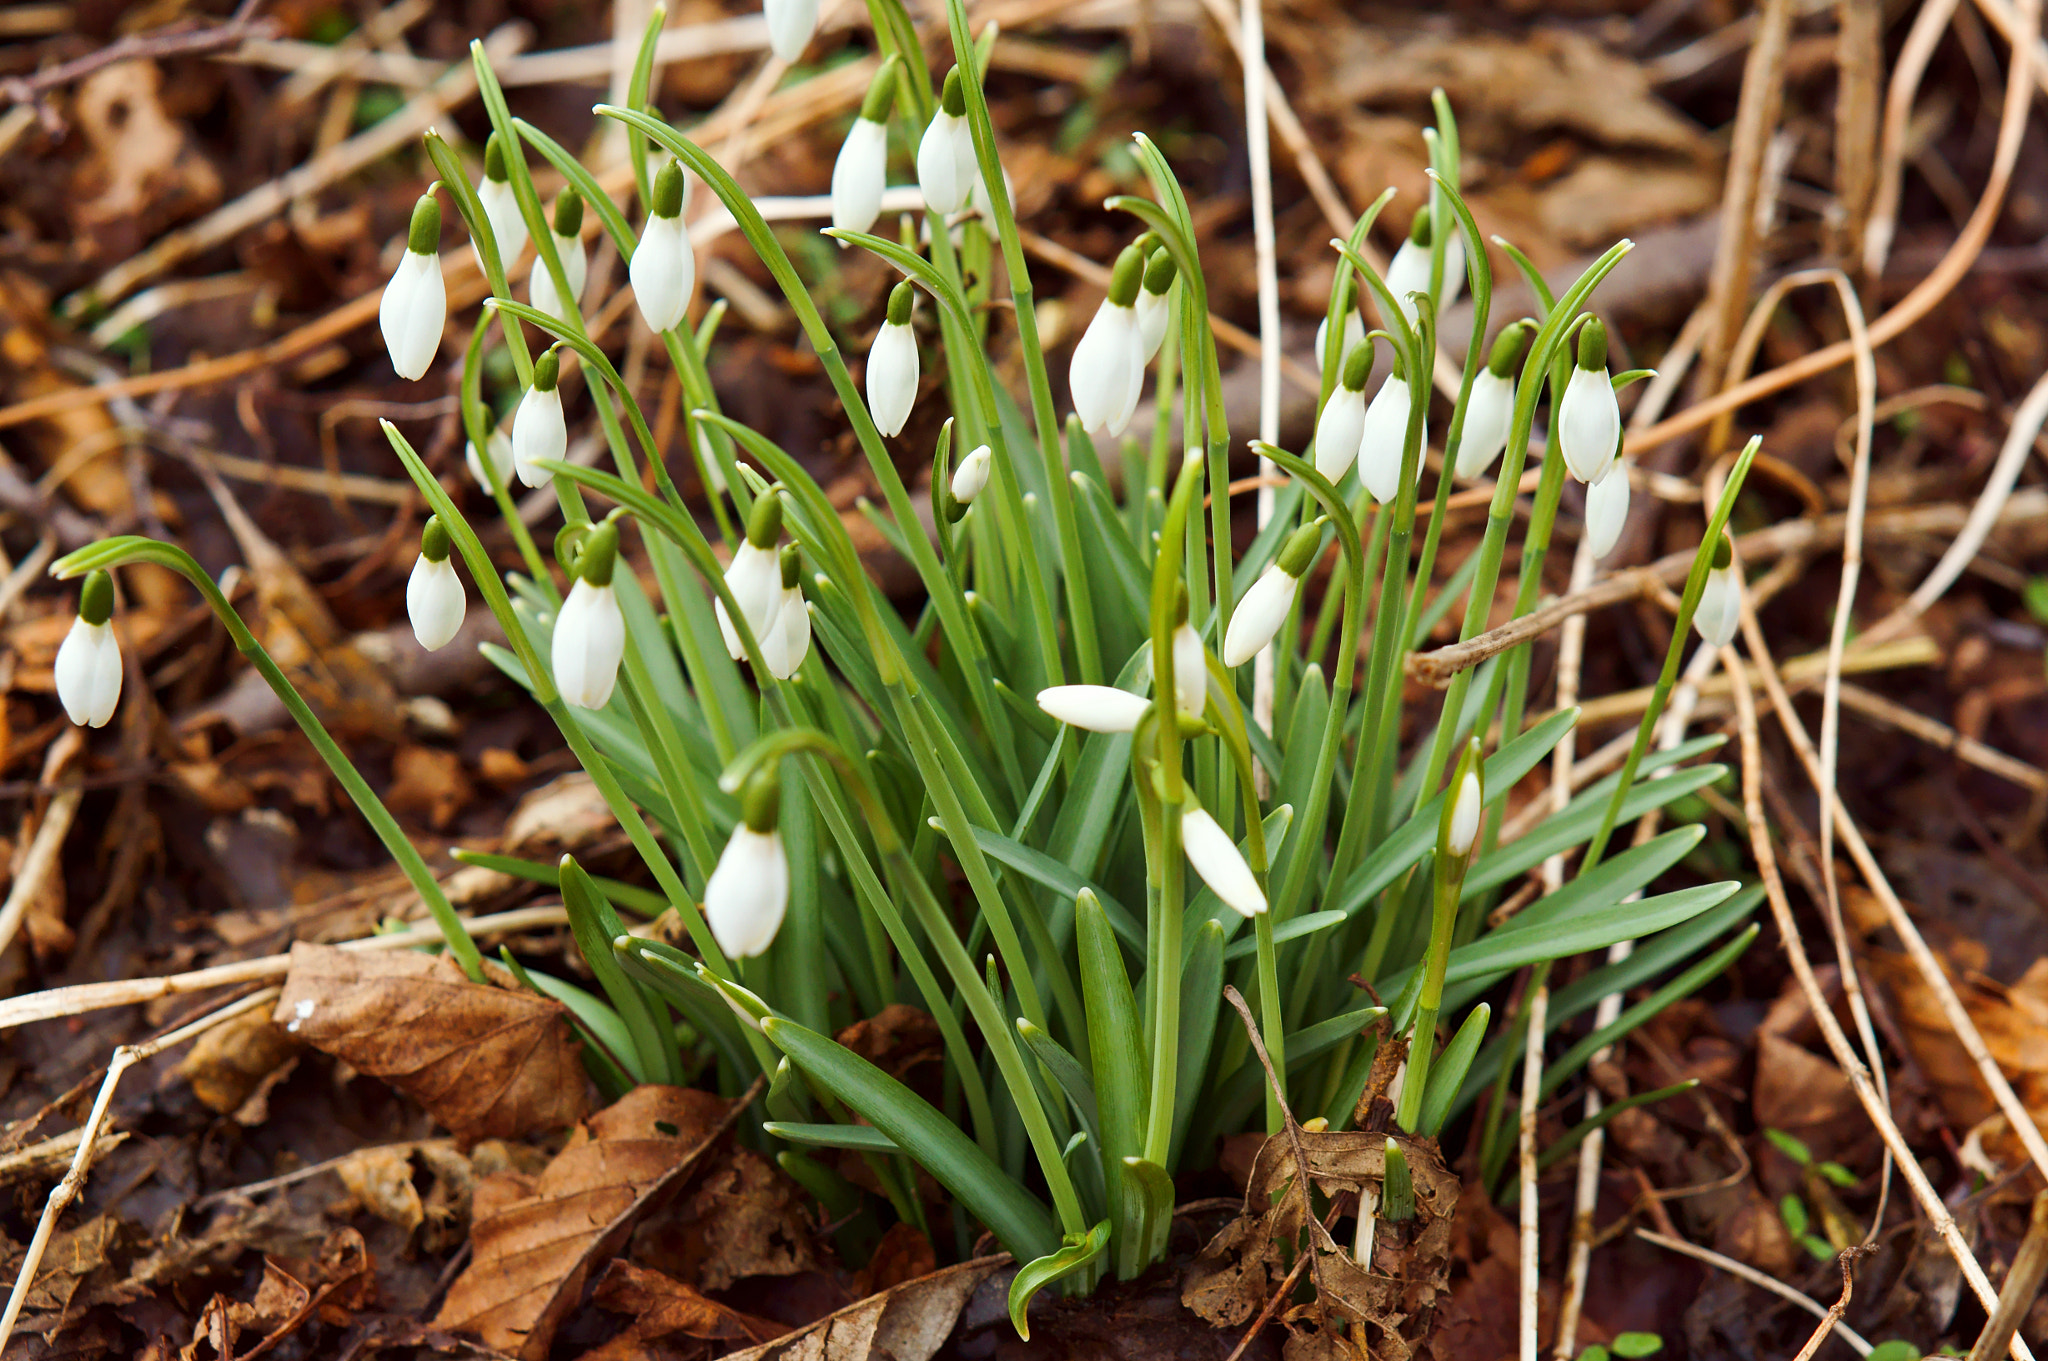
[
  {"x": 1035, "y": 1276},
  {"x": 864, "y": 1138},
  {"x": 1116, "y": 1057},
  {"x": 1449, "y": 1073}
]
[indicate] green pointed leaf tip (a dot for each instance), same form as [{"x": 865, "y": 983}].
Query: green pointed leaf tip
[
  {"x": 423, "y": 237},
  {"x": 1593, "y": 346},
  {"x": 1079, "y": 1251},
  {"x": 668, "y": 190},
  {"x": 96, "y": 598},
  {"x": 434, "y": 540}
]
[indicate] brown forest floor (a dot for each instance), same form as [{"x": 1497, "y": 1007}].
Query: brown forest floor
[{"x": 173, "y": 365}]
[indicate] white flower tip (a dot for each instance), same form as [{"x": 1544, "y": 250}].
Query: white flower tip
[
  {"x": 1097, "y": 708},
  {"x": 1465, "y": 814},
  {"x": 1216, "y": 859}
]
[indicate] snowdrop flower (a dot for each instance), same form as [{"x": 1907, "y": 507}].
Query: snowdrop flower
[
  {"x": 892, "y": 365},
  {"x": 1354, "y": 336},
  {"x": 861, "y": 172},
  {"x": 946, "y": 168},
  {"x": 1490, "y": 409},
  {"x": 414, "y": 307},
  {"x": 566, "y": 232},
  {"x": 1264, "y": 608},
  {"x": 1385, "y": 435},
  {"x": 663, "y": 268},
  {"x": 1607, "y": 508},
  {"x": 89, "y": 661},
  {"x": 1720, "y": 607},
  {"x": 1461, "y": 817},
  {"x": 498, "y": 449},
  {"x": 1153, "y": 311},
  {"x": 433, "y": 594},
  {"x": 790, "y": 25},
  {"x": 501, "y": 206},
  {"x": 590, "y": 632},
  {"x": 972, "y": 475},
  {"x": 1408, "y": 272},
  {"x": 1216, "y": 858},
  {"x": 1108, "y": 365},
  {"x": 539, "y": 430},
  {"x": 788, "y": 639},
  {"x": 1190, "y": 663},
  {"x": 1588, "y": 417},
  {"x": 748, "y": 893},
  {"x": 1342, "y": 424},
  {"x": 755, "y": 578},
  {"x": 1097, "y": 708}
]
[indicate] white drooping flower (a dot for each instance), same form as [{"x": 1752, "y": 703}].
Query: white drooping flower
[
  {"x": 568, "y": 225},
  {"x": 790, "y": 25},
  {"x": 862, "y": 170},
  {"x": 539, "y": 429},
  {"x": 1463, "y": 827},
  {"x": 1354, "y": 336},
  {"x": 748, "y": 892},
  {"x": 1588, "y": 417},
  {"x": 498, "y": 448},
  {"x": 971, "y": 477},
  {"x": 433, "y": 593},
  {"x": 1154, "y": 310},
  {"x": 1385, "y": 435},
  {"x": 1408, "y": 271},
  {"x": 1607, "y": 508},
  {"x": 1341, "y": 426},
  {"x": 1217, "y": 860},
  {"x": 788, "y": 638},
  {"x": 414, "y": 307},
  {"x": 892, "y": 365},
  {"x": 1097, "y": 708},
  {"x": 1720, "y": 607},
  {"x": 663, "y": 268},
  {"x": 1265, "y": 605},
  {"x": 1190, "y": 670},
  {"x": 590, "y": 631},
  {"x": 946, "y": 166},
  {"x": 500, "y": 205},
  {"x": 88, "y": 669},
  {"x": 1490, "y": 408},
  {"x": 1108, "y": 364},
  {"x": 755, "y": 578}
]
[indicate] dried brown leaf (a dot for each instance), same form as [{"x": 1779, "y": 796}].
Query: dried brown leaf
[
  {"x": 484, "y": 1061},
  {"x": 662, "y": 1306},
  {"x": 536, "y": 1238},
  {"x": 907, "y": 1323},
  {"x": 743, "y": 1218},
  {"x": 381, "y": 1180}
]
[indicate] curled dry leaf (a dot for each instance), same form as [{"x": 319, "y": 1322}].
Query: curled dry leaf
[
  {"x": 535, "y": 1238},
  {"x": 909, "y": 1322},
  {"x": 484, "y": 1061},
  {"x": 661, "y": 1306}
]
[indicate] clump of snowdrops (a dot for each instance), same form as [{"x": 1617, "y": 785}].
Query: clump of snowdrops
[{"x": 1063, "y": 722}]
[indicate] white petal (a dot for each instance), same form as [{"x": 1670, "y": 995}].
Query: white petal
[
  {"x": 499, "y": 447},
  {"x": 790, "y": 25},
  {"x": 788, "y": 639},
  {"x": 88, "y": 673},
  {"x": 1215, "y": 857},
  {"x": 1720, "y": 607},
  {"x": 575, "y": 267},
  {"x": 434, "y": 602},
  {"x": 1338, "y": 431},
  {"x": 1465, "y": 814},
  {"x": 1385, "y": 435},
  {"x": 1098, "y": 708},
  {"x": 501, "y": 210},
  {"x": 1607, "y": 509},
  {"x": 1408, "y": 272},
  {"x": 971, "y": 477},
  {"x": 892, "y": 377},
  {"x": 539, "y": 431},
  {"x": 589, "y": 643},
  {"x": 748, "y": 893},
  {"x": 662, "y": 272},
  {"x": 1489, "y": 412},
  {"x": 1100, "y": 376},
  {"x": 1259, "y": 615},
  {"x": 1589, "y": 423},
  {"x": 412, "y": 312},
  {"x": 1153, "y": 314},
  {"x": 1190, "y": 671},
  {"x": 858, "y": 176},
  {"x": 945, "y": 176},
  {"x": 1354, "y": 334},
  {"x": 755, "y": 580}
]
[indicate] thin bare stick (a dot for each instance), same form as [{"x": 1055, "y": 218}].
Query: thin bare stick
[
  {"x": 1833, "y": 1317},
  {"x": 1530, "y": 1278},
  {"x": 66, "y": 1191},
  {"x": 39, "y": 861},
  {"x": 1938, "y": 734},
  {"x": 180, "y": 39},
  {"x": 1930, "y": 1201},
  {"x": 1907, "y": 70},
  {"x": 1859, "y": 60},
  {"x": 2022, "y": 1284},
  {"x": 1757, "y": 1278}
]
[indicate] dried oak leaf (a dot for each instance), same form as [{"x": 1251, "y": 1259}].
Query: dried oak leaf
[
  {"x": 662, "y": 1306},
  {"x": 742, "y": 1218},
  {"x": 909, "y": 1322},
  {"x": 484, "y": 1061},
  {"x": 535, "y": 1238}
]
